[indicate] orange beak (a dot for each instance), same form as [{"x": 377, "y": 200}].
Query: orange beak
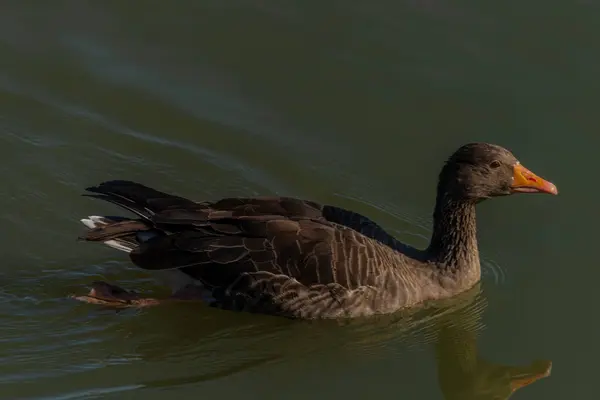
[
  {"x": 536, "y": 371},
  {"x": 525, "y": 181}
]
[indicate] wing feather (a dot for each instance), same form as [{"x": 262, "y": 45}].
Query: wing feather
[{"x": 272, "y": 251}]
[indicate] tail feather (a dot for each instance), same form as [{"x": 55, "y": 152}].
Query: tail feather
[
  {"x": 120, "y": 244},
  {"x": 114, "y": 230},
  {"x": 117, "y": 232},
  {"x": 127, "y": 234},
  {"x": 126, "y": 204},
  {"x": 137, "y": 198}
]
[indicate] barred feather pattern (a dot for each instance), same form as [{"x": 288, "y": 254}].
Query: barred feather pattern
[{"x": 273, "y": 255}]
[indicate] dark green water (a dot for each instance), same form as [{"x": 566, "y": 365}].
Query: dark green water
[{"x": 345, "y": 102}]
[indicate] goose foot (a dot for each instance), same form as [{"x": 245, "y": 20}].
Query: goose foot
[{"x": 105, "y": 294}]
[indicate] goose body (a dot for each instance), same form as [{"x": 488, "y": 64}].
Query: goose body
[{"x": 297, "y": 258}]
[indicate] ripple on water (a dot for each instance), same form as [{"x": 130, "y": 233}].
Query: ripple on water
[
  {"x": 491, "y": 268},
  {"x": 91, "y": 351},
  {"x": 91, "y": 393},
  {"x": 41, "y": 336}
]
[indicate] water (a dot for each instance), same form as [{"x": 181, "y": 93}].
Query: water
[{"x": 351, "y": 103}]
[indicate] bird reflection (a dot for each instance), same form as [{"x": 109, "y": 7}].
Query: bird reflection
[
  {"x": 220, "y": 344},
  {"x": 452, "y": 326},
  {"x": 464, "y": 375}
]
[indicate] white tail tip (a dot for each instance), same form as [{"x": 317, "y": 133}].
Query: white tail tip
[{"x": 93, "y": 221}]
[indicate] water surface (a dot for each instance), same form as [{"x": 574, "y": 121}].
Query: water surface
[{"x": 350, "y": 103}]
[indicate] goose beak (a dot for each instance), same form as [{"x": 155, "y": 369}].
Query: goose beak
[
  {"x": 538, "y": 370},
  {"x": 525, "y": 181}
]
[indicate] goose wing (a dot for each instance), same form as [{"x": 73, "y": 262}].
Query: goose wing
[
  {"x": 162, "y": 208},
  {"x": 278, "y": 251}
]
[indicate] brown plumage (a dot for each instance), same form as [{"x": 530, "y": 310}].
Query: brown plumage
[{"x": 297, "y": 258}]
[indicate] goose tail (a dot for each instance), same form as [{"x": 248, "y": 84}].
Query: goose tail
[{"x": 119, "y": 233}]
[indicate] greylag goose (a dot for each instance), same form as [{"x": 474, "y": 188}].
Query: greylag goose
[{"x": 300, "y": 259}]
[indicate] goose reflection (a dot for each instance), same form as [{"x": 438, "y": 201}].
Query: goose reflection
[
  {"x": 464, "y": 374},
  {"x": 221, "y": 344},
  {"x": 452, "y": 327}
]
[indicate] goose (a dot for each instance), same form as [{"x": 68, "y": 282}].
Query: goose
[{"x": 300, "y": 259}]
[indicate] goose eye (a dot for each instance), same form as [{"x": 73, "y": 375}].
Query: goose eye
[{"x": 495, "y": 164}]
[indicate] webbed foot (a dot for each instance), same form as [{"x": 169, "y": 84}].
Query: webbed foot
[{"x": 103, "y": 293}]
